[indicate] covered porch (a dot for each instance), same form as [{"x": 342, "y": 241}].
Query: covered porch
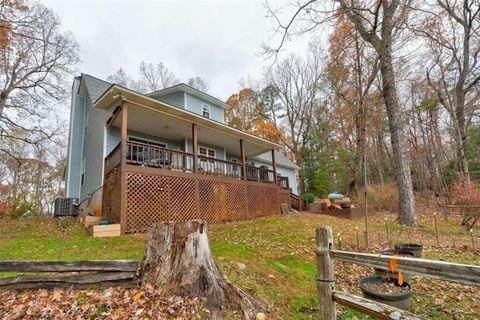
[
  {"x": 158, "y": 140},
  {"x": 173, "y": 174}
]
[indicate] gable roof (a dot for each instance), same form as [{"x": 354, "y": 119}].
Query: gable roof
[
  {"x": 95, "y": 87},
  {"x": 190, "y": 90},
  {"x": 281, "y": 160}
]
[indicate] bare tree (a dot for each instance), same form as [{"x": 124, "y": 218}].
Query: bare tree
[
  {"x": 451, "y": 31},
  {"x": 297, "y": 86},
  {"x": 199, "y": 84},
  {"x": 349, "y": 52},
  {"x": 378, "y": 23},
  {"x": 36, "y": 59},
  {"x": 155, "y": 77},
  {"x": 121, "y": 78}
]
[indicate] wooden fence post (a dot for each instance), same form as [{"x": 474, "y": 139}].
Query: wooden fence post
[{"x": 325, "y": 276}]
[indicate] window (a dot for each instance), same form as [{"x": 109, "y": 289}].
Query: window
[
  {"x": 149, "y": 142},
  {"x": 85, "y": 128},
  {"x": 206, "y": 111},
  {"x": 207, "y": 152},
  {"x": 82, "y": 179}
]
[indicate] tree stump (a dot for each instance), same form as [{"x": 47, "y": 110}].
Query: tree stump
[{"x": 178, "y": 261}]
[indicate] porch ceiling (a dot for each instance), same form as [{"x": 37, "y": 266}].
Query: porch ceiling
[
  {"x": 151, "y": 122},
  {"x": 210, "y": 131}
]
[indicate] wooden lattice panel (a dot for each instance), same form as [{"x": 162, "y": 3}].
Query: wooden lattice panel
[
  {"x": 237, "y": 201},
  {"x": 183, "y": 201},
  {"x": 111, "y": 194},
  {"x": 155, "y": 198},
  {"x": 213, "y": 198},
  {"x": 262, "y": 200},
  {"x": 173, "y": 196}
]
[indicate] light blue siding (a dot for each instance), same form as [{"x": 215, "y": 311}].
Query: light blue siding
[
  {"x": 176, "y": 99},
  {"x": 194, "y": 105},
  {"x": 292, "y": 177},
  {"x": 93, "y": 148},
  {"x": 113, "y": 139},
  {"x": 75, "y": 136}
]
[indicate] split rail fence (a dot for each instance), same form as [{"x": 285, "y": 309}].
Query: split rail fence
[
  {"x": 453, "y": 272},
  {"x": 66, "y": 274}
]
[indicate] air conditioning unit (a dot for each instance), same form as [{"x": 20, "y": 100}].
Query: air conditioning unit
[{"x": 65, "y": 207}]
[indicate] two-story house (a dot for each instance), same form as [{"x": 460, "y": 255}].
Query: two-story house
[{"x": 168, "y": 155}]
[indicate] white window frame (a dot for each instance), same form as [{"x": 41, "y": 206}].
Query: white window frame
[
  {"x": 207, "y": 150},
  {"x": 206, "y": 107}
]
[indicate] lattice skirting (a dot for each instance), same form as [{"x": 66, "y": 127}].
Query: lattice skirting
[{"x": 154, "y": 198}]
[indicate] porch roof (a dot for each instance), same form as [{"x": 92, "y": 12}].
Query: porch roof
[{"x": 175, "y": 119}]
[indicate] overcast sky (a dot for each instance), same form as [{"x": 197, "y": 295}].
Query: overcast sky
[{"x": 219, "y": 41}]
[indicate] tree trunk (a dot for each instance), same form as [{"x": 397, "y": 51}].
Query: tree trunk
[
  {"x": 301, "y": 175},
  {"x": 396, "y": 124},
  {"x": 178, "y": 261},
  {"x": 3, "y": 101}
]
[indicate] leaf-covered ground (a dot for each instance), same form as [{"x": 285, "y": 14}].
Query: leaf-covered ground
[{"x": 272, "y": 258}]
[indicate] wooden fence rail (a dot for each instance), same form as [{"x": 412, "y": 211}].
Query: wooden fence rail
[
  {"x": 77, "y": 274},
  {"x": 374, "y": 309},
  {"x": 453, "y": 272},
  {"x": 448, "y": 271}
]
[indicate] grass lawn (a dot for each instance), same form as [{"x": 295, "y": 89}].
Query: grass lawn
[{"x": 274, "y": 257}]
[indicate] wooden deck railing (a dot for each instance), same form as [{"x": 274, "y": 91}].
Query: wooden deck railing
[
  {"x": 172, "y": 159},
  {"x": 218, "y": 167},
  {"x": 453, "y": 272},
  {"x": 298, "y": 203},
  {"x": 259, "y": 174},
  {"x": 113, "y": 159},
  {"x": 283, "y": 183},
  {"x": 154, "y": 156}
]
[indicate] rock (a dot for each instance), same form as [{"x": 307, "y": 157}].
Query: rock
[
  {"x": 395, "y": 315},
  {"x": 271, "y": 276},
  {"x": 261, "y": 316},
  {"x": 241, "y": 266}
]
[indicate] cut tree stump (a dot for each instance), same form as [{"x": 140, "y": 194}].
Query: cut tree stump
[{"x": 178, "y": 261}]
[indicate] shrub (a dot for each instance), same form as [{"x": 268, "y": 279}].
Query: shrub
[
  {"x": 383, "y": 197},
  {"x": 309, "y": 197},
  {"x": 21, "y": 210}
]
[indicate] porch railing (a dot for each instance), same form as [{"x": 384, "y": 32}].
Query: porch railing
[
  {"x": 259, "y": 174},
  {"x": 155, "y": 156},
  {"x": 218, "y": 167},
  {"x": 283, "y": 183},
  {"x": 113, "y": 159}
]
